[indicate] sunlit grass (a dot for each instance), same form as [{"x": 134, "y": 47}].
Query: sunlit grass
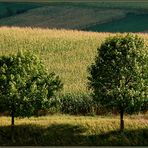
[
  {"x": 74, "y": 130},
  {"x": 107, "y": 123}
]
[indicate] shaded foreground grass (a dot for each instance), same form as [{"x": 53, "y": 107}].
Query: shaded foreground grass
[{"x": 74, "y": 131}]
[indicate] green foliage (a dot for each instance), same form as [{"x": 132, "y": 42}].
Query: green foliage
[
  {"x": 76, "y": 104},
  {"x": 80, "y": 104},
  {"x": 25, "y": 85},
  {"x": 119, "y": 76},
  {"x": 69, "y": 46}
]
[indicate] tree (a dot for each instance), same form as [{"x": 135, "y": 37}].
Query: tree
[
  {"x": 119, "y": 76},
  {"x": 25, "y": 85}
]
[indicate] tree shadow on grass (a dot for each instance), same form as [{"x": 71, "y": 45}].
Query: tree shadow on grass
[
  {"x": 33, "y": 135},
  {"x": 138, "y": 137},
  {"x": 69, "y": 135}
]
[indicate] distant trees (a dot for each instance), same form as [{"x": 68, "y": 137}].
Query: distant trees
[
  {"x": 119, "y": 76},
  {"x": 25, "y": 85}
]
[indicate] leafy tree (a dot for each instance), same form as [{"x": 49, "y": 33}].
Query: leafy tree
[
  {"x": 25, "y": 85},
  {"x": 119, "y": 76}
]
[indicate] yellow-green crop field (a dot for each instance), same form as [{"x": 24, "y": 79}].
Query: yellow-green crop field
[{"x": 67, "y": 53}]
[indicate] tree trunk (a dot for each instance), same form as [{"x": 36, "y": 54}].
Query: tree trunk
[
  {"x": 12, "y": 118},
  {"x": 12, "y": 122},
  {"x": 121, "y": 120}
]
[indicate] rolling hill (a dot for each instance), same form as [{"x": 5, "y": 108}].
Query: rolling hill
[
  {"x": 66, "y": 35},
  {"x": 67, "y": 53},
  {"x": 106, "y": 16}
]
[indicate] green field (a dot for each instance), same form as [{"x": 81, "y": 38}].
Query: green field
[
  {"x": 9, "y": 9},
  {"x": 62, "y": 130},
  {"x": 76, "y": 15},
  {"x": 129, "y": 23}
]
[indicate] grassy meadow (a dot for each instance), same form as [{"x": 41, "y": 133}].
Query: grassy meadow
[{"x": 64, "y": 130}]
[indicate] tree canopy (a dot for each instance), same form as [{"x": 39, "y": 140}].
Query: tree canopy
[
  {"x": 25, "y": 84},
  {"x": 119, "y": 76}
]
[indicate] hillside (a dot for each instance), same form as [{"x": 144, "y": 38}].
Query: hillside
[
  {"x": 65, "y": 35},
  {"x": 68, "y": 53},
  {"x": 103, "y": 16}
]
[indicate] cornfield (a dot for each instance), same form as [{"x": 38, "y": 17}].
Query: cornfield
[{"x": 67, "y": 53}]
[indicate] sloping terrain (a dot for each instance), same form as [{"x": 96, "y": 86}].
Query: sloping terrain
[
  {"x": 82, "y": 15},
  {"x": 8, "y": 9},
  {"x": 67, "y": 53},
  {"x": 67, "y": 17}
]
